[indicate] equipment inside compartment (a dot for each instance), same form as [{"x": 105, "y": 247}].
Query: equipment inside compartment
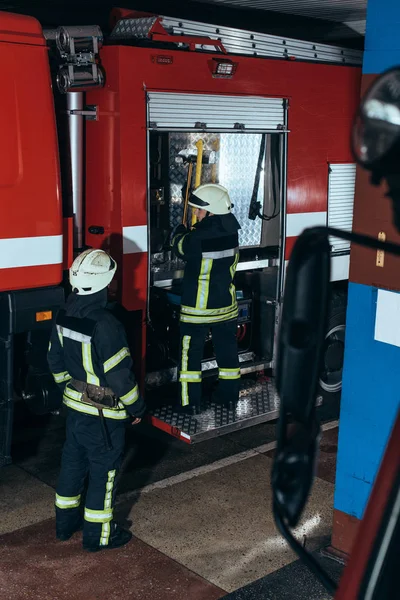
[{"x": 249, "y": 165}]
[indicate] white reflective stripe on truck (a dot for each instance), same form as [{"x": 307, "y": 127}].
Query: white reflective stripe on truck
[
  {"x": 134, "y": 239},
  {"x": 297, "y": 222},
  {"x": 31, "y": 251}
]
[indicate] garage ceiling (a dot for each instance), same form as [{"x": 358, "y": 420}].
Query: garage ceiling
[
  {"x": 330, "y": 21},
  {"x": 348, "y": 12}
]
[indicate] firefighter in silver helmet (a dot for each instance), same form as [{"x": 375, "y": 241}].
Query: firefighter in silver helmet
[
  {"x": 211, "y": 252},
  {"x": 90, "y": 361}
]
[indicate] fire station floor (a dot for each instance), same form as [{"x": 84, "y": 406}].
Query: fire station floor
[{"x": 201, "y": 518}]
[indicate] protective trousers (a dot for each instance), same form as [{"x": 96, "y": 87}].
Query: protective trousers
[
  {"x": 85, "y": 453},
  {"x": 191, "y": 354}
]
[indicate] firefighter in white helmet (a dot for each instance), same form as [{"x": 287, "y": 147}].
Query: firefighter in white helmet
[
  {"x": 211, "y": 252},
  {"x": 90, "y": 361}
]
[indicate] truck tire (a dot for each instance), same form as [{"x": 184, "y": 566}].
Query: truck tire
[{"x": 330, "y": 383}]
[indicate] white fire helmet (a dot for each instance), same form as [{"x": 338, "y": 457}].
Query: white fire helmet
[
  {"x": 91, "y": 271},
  {"x": 211, "y": 197}
]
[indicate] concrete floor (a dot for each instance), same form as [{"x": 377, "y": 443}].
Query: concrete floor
[{"x": 201, "y": 518}]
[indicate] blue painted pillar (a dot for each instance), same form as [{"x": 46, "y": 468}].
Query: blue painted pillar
[{"x": 371, "y": 378}]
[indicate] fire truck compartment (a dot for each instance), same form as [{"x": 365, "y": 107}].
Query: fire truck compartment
[{"x": 251, "y": 166}]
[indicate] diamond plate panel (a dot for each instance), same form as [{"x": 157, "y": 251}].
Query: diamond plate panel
[
  {"x": 237, "y": 156},
  {"x": 256, "y": 400},
  {"x": 133, "y": 28}
]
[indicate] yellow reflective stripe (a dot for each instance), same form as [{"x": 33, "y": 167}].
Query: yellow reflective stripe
[
  {"x": 234, "y": 265},
  {"x": 184, "y": 364},
  {"x": 105, "y": 534},
  {"x": 116, "y": 359},
  {"x": 232, "y": 270},
  {"x": 67, "y": 501},
  {"x": 72, "y": 393},
  {"x": 131, "y": 396},
  {"x": 209, "y": 318},
  {"x": 88, "y": 364},
  {"x": 98, "y": 516},
  {"x": 180, "y": 245},
  {"x": 190, "y": 376},
  {"x": 229, "y": 373},
  {"x": 204, "y": 283},
  {"x": 185, "y": 349},
  {"x": 88, "y": 409},
  {"x": 106, "y": 528},
  {"x": 61, "y": 377},
  {"x": 185, "y": 393},
  {"x": 207, "y": 311},
  {"x": 49, "y": 348},
  {"x": 191, "y": 373}
]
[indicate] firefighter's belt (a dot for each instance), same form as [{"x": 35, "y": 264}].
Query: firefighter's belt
[{"x": 97, "y": 395}]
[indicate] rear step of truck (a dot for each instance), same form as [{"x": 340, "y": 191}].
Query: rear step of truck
[{"x": 258, "y": 403}]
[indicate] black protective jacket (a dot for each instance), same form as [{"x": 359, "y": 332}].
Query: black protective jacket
[
  {"x": 211, "y": 252},
  {"x": 89, "y": 344}
]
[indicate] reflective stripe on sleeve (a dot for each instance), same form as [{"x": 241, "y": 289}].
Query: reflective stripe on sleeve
[
  {"x": 204, "y": 283},
  {"x": 232, "y": 289},
  {"x": 130, "y": 397},
  {"x": 234, "y": 265},
  {"x": 61, "y": 377},
  {"x": 180, "y": 245},
  {"x": 116, "y": 359}
]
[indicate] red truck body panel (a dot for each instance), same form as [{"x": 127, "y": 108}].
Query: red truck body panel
[
  {"x": 31, "y": 253},
  {"x": 323, "y": 99}
]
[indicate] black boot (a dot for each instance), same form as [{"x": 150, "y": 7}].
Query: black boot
[
  {"x": 118, "y": 537},
  {"x": 189, "y": 410},
  {"x": 65, "y": 535}
]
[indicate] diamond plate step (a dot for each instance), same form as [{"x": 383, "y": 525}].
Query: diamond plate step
[{"x": 258, "y": 403}]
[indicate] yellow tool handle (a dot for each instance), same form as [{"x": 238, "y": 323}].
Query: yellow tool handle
[
  {"x": 188, "y": 183},
  {"x": 199, "y": 166}
]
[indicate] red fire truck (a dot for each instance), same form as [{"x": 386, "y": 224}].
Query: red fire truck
[{"x": 102, "y": 137}]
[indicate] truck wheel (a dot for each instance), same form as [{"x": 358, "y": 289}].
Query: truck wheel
[{"x": 330, "y": 383}]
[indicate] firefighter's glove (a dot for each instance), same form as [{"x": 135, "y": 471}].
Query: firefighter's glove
[{"x": 178, "y": 229}]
